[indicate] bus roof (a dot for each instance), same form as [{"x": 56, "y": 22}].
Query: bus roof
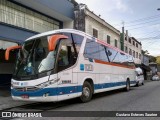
[
  {"x": 58, "y": 31},
  {"x": 76, "y": 32}
]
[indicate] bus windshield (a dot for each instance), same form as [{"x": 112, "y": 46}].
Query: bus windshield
[{"x": 34, "y": 58}]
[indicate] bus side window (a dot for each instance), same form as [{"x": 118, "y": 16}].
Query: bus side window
[
  {"x": 66, "y": 55},
  {"x": 113, "y": 55},
  {"x": 103, "y": 53},
  {"x": 78, "y": 39},
  {"x": 91, "y": 50}
]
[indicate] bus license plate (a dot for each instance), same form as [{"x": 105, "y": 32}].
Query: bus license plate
[{"x": 25, "y": 96}]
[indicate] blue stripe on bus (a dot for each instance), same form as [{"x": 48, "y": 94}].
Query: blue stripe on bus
[{"x": 65, "y": 90}]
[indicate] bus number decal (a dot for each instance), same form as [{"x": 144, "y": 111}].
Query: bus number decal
[{"x": 66, "y": 81}]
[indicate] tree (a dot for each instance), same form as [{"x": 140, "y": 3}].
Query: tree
[
  {"x": 152, "y": 59},
  {"x": 158, "y": 60}
]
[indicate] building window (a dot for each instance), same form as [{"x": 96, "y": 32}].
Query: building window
[
  {"x": 95, "y": 33},
  {"x": 137, "y": 45},
  {"x": 126, "y": 49},
  {"x": 133, "y": 53},
  {"x": 126, "y": 38},
  {"x": 108, "y": 39},
  {"x": 130, "y": 51},
  {"x": 136, "y": 54},
  {"x": 140, "y": 56},
  {"x": 129, "y": 40},
  {"x": 116, "y": 43},
  {"x": 133, "y": 43},
  {"x": 16, "y": 15}
]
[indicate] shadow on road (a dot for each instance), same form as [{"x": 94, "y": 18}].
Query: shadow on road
[{"x": 53, "y": 106}]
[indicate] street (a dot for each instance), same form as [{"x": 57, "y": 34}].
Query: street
[{"x": 142, "y": 98}]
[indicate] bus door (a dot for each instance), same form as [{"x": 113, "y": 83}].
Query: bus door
[{"x": 65, "y": 63}]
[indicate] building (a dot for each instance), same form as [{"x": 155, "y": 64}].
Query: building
[
  {"x": 145, "y": 66},
  {"x": 20, "y": 19},
  {"x": 87, "y": 21},
  {"x": 134, "y": 48},
  {"x": 154, "y": 68}
]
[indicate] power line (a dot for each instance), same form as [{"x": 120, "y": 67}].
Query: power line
[
  {"x": 154, "y": 37},
  {"x": 146, "y": 18},
  {"x": 137, "y": 20},
  {"x": 143, "y": 26},
  {"x": 149, "y": 33},
  {"x": 142, "y": 23}
]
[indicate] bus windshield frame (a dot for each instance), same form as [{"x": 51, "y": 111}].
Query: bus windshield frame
[{"x": 34, "y": 60}]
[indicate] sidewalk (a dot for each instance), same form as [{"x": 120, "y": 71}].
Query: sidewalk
[{"x": 145, "y": 81}]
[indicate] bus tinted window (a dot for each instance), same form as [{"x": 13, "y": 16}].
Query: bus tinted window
[
  {"x": 130, "y": 61},
  {"x": 91, "y": 49},
  {"x": 113, "y": 55},
  {"x": 78, "y": 39},
  {"x": 122, "y": 58},
  {"x": 103, "y": 55}
]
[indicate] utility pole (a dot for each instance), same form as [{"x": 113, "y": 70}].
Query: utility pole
[{"x": 122, "y": 37}]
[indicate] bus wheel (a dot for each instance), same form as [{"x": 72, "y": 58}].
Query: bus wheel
[
  {"x": 127, "y": 85},
  {"x": 86, "y": 92},
  {"x": 137, "y": 85}
]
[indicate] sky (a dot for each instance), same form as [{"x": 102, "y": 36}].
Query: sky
[{"x": 140, "y": 17}]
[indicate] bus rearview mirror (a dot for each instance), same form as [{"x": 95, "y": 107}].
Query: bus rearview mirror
[
  {"x": 53, "y": 40},
  {"x": 9, "y": 49}
]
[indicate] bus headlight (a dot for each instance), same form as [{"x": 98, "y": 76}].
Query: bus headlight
[{"x": 45, "y": 84}]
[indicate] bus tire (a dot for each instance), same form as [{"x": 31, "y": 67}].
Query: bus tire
[
  {"x": 137, "y": 85},
  {"x": 86, "y": 92},
  {"x": 127, "y": 85}
]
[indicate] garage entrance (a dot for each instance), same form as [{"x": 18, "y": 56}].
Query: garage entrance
[{"x": 6, "y": 67}]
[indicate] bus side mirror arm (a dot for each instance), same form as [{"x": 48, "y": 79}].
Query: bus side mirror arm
[
  {"x": 9, "y": 49},
  {"x": 53, "y": 41}
]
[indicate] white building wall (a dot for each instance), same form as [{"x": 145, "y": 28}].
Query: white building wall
[
  {"x": 132, "y": 47},
  {"x": 93, "y": 21}
]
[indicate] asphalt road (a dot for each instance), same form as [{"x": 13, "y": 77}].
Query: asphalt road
[{"x": 142, "y": 98}]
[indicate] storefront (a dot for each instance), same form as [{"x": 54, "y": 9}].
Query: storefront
[{"x": 20, "y": 19}]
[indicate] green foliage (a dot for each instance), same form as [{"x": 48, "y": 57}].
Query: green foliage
[
  {"x": 158, "y": 60},
  {"x": 152, "y": 59}
]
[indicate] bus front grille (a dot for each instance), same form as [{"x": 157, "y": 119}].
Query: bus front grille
[{"x": 24, "y": 89}]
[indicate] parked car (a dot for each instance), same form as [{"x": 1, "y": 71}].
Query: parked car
[
  {"x": 155, "y": 78},
  {"x": 139, "y": 77}
]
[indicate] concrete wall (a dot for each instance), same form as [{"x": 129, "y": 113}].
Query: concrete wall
[
  {"x": 62, "y": 10},
  {"x": 68, "y": 24}
]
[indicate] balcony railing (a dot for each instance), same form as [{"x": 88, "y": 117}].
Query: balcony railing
[{"x": 27, "y": 21}]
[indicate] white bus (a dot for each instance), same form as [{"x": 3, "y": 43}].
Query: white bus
[{"x": 65, "y": 64}]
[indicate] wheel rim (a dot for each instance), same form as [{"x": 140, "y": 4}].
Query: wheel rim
[
  {"x": 127, "y": 86},
  {"x": 86, "y": 92}
]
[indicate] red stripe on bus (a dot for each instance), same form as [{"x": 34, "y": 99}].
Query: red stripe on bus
[{"x": 114, "y": 64}]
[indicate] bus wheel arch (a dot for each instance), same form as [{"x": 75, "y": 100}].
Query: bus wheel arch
[{"x": 87, "y": 90}]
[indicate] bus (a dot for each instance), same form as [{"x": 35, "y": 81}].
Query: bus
[{"x": 67, "y": 63}]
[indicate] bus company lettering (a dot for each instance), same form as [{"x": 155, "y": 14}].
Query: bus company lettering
[{"x": 88, "y": 67}]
